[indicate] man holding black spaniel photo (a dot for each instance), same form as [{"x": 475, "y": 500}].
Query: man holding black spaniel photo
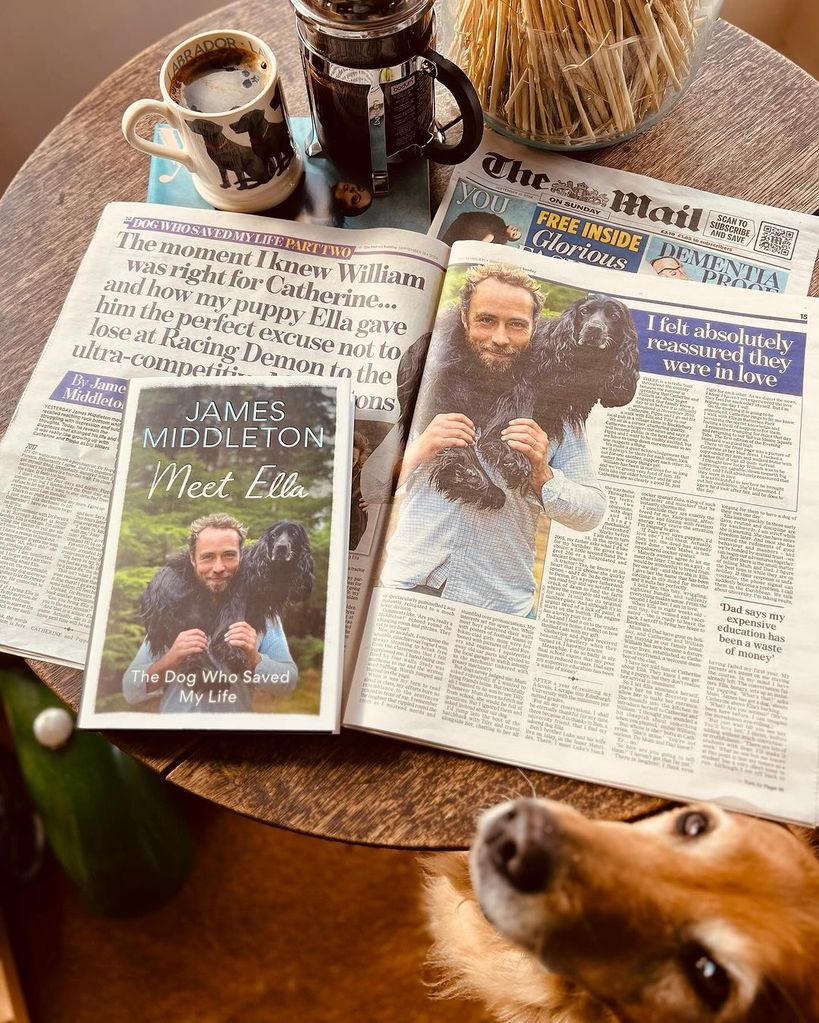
[
  {"x": 463, "y": 531},
  {"x": 177, "y": 657}
]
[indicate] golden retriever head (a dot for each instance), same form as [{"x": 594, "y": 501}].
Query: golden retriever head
[{"x": 692, "y": 916}]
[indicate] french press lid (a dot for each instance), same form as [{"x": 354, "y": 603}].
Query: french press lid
[{"x": 375, "y": 17}]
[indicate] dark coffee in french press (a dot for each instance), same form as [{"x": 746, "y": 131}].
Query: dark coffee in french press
[{"x": 370, "y": 70}]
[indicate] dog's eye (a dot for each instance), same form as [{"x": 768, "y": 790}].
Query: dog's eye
[
  {"x": 693, "y": 824},
  {"x": 705, "y": 975}
]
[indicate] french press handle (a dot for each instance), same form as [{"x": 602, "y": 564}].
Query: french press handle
[{"x": 469, "y": 106}]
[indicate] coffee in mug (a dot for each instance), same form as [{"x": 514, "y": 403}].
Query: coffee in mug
[
  {"x": 221, "y": 91},
  {"x": 219, "y": 80}
]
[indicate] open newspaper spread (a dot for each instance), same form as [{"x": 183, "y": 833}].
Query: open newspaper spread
[
  {"x": 644, "y": 615},
  {"x": 612, "y": 219},
  {"x": 191, "y": 295}
]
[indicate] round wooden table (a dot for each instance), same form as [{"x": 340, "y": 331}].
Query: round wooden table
[{"x": 746, "y": 128}]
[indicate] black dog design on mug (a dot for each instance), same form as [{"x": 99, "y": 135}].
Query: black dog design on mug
[
  {"x": 270, "y": 141},
  {"x": 250, "y": 170}
]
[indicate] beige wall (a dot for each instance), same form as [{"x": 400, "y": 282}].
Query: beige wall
[
  {"x": 766, "y": 19},
  {"x": 55, "y": 52},
  {"x": 790, "y": 26},
  {"x": 89, "y": 39}
]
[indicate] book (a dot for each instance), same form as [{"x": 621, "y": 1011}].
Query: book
[
  {"x": 586, "y": 497},
  {"x": 221, "y": 595},
  {"x": 314, "y": 201}
]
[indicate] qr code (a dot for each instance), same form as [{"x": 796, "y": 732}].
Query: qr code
[{"x": 776, "y": 240}]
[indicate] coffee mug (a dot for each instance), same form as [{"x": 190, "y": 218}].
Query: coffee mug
[{"x": 221, "y": 91}]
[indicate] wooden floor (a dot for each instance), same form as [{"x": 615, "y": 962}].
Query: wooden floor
[{"x": 270, "y": 927}]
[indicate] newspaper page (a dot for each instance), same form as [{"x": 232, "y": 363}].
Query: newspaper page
[
  {"x": 611, "y": 219},
  {"x": 191, "y": 295},
  {"x": 634, "y": 605}
]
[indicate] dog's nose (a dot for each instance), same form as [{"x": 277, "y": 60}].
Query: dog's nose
[
  {"x": 520, "y": 845},
  {"x": 281, "y": 551}
]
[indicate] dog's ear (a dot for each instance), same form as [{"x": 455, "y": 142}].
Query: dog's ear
[
  {"x": 159, "y": 607},
  {"x": 558, "y": 342},
  {"x": 409, "y": 377},
  {"x": 779, "y": 1000},
  {"x": 449, "y": 866},
  {"x": 304, "y": 572},
  {"x": 621, "y": 384}
]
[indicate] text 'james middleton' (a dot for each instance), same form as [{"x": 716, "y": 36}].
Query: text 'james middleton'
[{"x": 262, "y": 413}]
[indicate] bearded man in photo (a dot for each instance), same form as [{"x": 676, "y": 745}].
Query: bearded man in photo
[{"x": 481, "y": 552}]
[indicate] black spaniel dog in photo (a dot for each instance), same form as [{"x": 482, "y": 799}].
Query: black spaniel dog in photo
[
  {"x": 588, "y": 354},
  {"x": 274, "y": 572}
]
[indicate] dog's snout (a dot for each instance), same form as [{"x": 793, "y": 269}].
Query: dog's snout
[
  {"x": 593, "y": 334},
  {"x": 520, "y": 845},
  {"x": 282, "y": 550}
]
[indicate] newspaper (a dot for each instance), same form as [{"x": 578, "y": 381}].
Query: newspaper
[
  {"x": 189, "y": 295},
  {"x": 643, "y": 617},
  {"x": 663, "y": 639},
  {"x": 611, "y": 219}
]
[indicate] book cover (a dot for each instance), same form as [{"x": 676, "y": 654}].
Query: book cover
[
  {"x": 222, "y": 585},
  {"x": 326, "y": 195}
]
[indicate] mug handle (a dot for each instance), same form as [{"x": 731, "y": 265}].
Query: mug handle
[
  {"x": 129, "y": 123},
  {"x": 469, "y": 106}
]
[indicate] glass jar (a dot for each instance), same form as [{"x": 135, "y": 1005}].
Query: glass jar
[
  {"x": 578, "y": 74},
  {"x": 370, "y": 70}
]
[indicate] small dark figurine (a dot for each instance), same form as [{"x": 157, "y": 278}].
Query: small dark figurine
[
  {"x": 274, "y": 572},
  {"x": 480, "y": 226}
]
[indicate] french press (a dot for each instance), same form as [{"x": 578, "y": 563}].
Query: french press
[{"x": 370, "y": 69}]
